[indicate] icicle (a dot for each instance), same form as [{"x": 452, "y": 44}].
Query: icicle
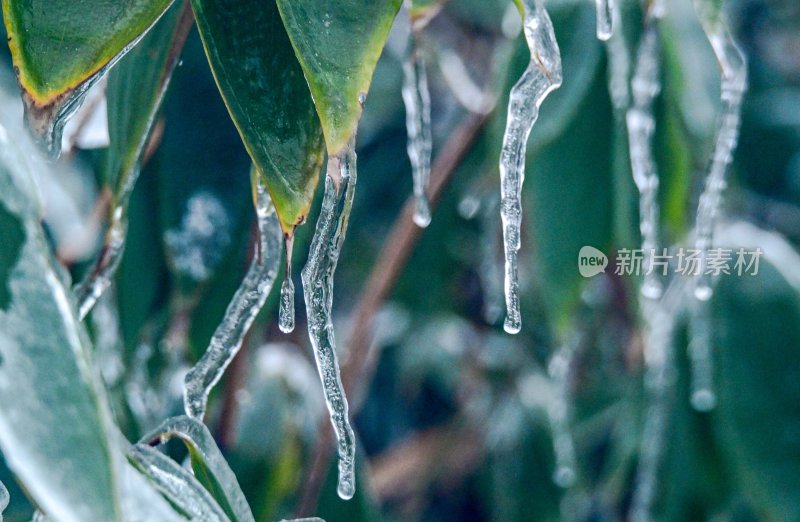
[
  {"x": 542, "y": 76},
  {"x": 5, "y": 498},
  {"x": 558, "y": 413},
  {"x": 491, "y": 265},
  {"x": 317, "y": 277},
  {"x": 734, "y": 83},
  {"x": 98, "y": 279},
  {"x": 605, "y": 18},
  {"x": 242, "y": 310},
  {"x": 659, "y": 322},
  {"x": 619, "y": 65},
  {"x": 645, "y": 86},
  {"x": 417, "y": 99},
  {"x": 286, "y": 308}
]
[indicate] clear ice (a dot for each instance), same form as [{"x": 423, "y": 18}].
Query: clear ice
[
  {"x": 241, "y": 311},
  {"x": 734, "y": 83},
  {"x": 98, "y": 279},
  {"x": 645, "y": 86},
  {"x": 317, "y": 277},
  {"x": 5, "y": 498},
  {"x": 417, "y": 99},
  {"x": 286, "y": 307},
  {"x": 605, "y": 18},
  {"x": 558, "y": 413},
  {"x": 542, "y": 76}
]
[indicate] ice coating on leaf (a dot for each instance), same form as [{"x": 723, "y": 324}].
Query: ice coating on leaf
[
  {"x": 734, "y": 83},
  {"x": 176, "y": 484},
  {"x": 286, "y": 306},
  {"x": 216, "y": 473},
  {"x": 317, "y": 276},
  {"x": 417, "y": 100},
  {"x": 542, "y": 76},
  {"x": 645, "y": 86},
  {"x": 241, "y": 311},
  {"x": 605, "y": 18}
]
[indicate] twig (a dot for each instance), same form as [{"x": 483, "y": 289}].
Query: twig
[{"x": 359, "y": 365}]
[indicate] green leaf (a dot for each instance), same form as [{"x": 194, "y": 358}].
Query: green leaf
[
  {"x": 267, "y": 97},
  {"x": 53, "y": 419},
  {"x": 338, "y": 45},
  {"x": 136, "y": 88},
  {"x": 757, "y": 332},
  {"x": 60, "y": 47},
  {"x": 208, "y": 464}
]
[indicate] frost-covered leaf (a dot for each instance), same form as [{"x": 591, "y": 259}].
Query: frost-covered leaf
[
  {"x": 53, "y": 422},
  {"x": 268, "y": 98},
  {"x": 60, "y": 47},
  {"x": 208, "y": 464},
  {"x": 338, "y": 45},
  {"x": 757, "y": 331}
]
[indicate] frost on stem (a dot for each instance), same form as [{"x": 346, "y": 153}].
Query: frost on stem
[
  {"x": 286, "y": 306},
  {"x": 542, "y": 76},
  {"x": 417, "y": 100},
  {"x": 734, "y": 83},
  {"x": 645, "y": 86},
  {"x": 317, "y": 276},
  {"x": 242, "y": 310}
]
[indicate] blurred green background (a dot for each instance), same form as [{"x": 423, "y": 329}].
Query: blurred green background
[{"x": 458, "y": 420}]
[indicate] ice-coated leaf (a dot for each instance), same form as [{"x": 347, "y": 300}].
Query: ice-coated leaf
[
  {"x": 208, "y": 464},
  {"x": 338, "y": 45},
  {"x": 136, "y": 88},
  {"x": 60, "y": 47},
  {"x": 177, "y": 484},
  {"x": 53, "y": 425},
  {"x": 268, "y": 98}
]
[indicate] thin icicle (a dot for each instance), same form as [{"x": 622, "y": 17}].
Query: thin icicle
[
  {"x": 317, "y": 276},
  {"x": 286, "y": 307},
  {"x": 558, "y": 413},
  {"x": 734, "y": 83},
  {"x": 242, "y": 310},
  {"x": 491, "y": 265},
  {"x": 659, "y": 322},
  {"x": 645, "y": 86},
  {"x": 619, "y": 65},
  {"x": 417, "y": 99},
  {"x": 542, "y": 76},
  {"x": 98, "y": 279},
  {"x": 605, "y": 18}
]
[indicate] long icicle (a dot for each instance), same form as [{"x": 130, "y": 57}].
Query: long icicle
[
  {"x": 733, "y": 86},
  {"x": 619, "y": 65},
  {"x": 559, "y": 415},
  {"x": 243, "y": 308},
  {"x": 286, "y": 307},
  {"x": 417, "y": 99},
  {"x": 645, "y": 86},
  {"x": 542, "y": 76},
  {"x": 317, "y": 276}
]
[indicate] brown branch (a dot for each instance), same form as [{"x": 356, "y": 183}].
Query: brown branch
[{"x": 360, "y": 363}]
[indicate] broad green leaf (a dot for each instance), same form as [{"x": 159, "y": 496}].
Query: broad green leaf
[
  {"x": 756, "y": 322},
  {"x": 208, "y": 464},
  {"x": 268, "y": 98},
  {"x": 60, "y": 47},
  {"x": 338, "y": 45},
  {"x": 53, "y": 421},
  {"x": 136, "y": 88}
]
